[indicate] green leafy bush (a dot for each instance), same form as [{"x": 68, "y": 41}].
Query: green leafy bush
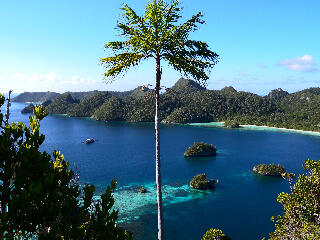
[
  {"x": 40, "y": 196},
  {"x": 301, "y": 218}
]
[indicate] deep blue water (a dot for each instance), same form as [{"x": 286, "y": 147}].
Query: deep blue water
[{"x": 241, "y": 205}]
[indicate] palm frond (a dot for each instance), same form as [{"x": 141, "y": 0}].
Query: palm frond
[
  {"x": 191, "y": 58},
  {"x": 116, "y": 45},
  {"x": 120, "y": 64},
  {"x": 191, "y": 67}
]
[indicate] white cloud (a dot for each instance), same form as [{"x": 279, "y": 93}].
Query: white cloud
[
  {"x": 51, "y": 78},
  {"x": 303, "y": 64},
  {"x": 81, "y": 80},
  {"x": 77, "y": 79},
  {"x": 19, "y": 76},
  {"x": 38, "y": 78}
]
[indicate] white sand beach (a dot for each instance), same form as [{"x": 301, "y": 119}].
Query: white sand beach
[{"x": 258, "y": 128}]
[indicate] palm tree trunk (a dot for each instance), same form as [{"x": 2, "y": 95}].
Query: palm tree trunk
[{"x": 157, "y": 135}]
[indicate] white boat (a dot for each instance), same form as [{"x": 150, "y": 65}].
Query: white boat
[{"x": 89, "y": 140}]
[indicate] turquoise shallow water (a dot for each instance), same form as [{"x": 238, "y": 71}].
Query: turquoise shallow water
[{"x": 241, "y": 204}]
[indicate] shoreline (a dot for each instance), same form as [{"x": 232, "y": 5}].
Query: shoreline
[
  {"x": 220, "y": 125},
  {"x": 258, "y": 128}
]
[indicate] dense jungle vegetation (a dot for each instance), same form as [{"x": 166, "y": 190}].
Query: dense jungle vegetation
[{"x": 188, "y": 102}]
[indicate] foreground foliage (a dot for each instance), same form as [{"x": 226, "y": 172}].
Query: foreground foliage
[
  {"x": 40, "y": 196},
  {"x": 301, "y": 218}
]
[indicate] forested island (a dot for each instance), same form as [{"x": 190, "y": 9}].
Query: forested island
[
  {"x": 189, "y": 102},
  {"x": 200, "y": 181},
  {"x": 200, "y": 149},
  {"x": 269, "y": 169}
]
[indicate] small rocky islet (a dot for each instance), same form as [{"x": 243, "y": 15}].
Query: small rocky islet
[
  {"x": 201, "y": 149},
  {"x": 201, "y": 182},
  {"x": 269, "y": 169},
  {"x": 142, "y": 190}
]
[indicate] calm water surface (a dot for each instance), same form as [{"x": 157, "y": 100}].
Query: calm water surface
[{"x": 241, "y": 205}]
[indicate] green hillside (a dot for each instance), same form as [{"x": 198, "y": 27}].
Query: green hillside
[
  {"x": 187, "y": 102},
  {"x": 61, "y": 104},
  {"x": 89, "y": 104}
]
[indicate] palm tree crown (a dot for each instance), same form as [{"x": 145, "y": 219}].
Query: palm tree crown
[{"x": 157, "y": 35}]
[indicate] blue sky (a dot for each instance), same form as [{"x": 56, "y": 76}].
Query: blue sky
[{"x": 56, "y": 45}]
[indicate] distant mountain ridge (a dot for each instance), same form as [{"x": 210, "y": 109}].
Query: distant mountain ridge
[
  {"x": 35, "y": 96},
  {"x": 45, "y": 96},
  {"x": 187, "y": 102}
]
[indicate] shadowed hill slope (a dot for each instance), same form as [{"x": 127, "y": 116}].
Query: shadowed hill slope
[
  {"x": 87, "y": 107},
  {"x": 61, "y": 104}
]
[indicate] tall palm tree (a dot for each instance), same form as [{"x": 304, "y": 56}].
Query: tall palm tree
[{"x": 158, "y": 35}]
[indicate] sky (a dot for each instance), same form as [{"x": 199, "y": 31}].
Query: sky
[{"x": 56, "y": 45}]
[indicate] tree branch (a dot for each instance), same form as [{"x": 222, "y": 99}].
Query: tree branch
[{"x": 6, "y": 122}]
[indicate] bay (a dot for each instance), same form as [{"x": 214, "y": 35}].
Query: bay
[{"x": 242, "y": 203}]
